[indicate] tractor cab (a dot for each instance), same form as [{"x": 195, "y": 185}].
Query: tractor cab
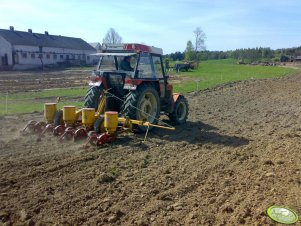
[
  {"x": 134, "y": 80},
  {"x": 146, "y": 61}
]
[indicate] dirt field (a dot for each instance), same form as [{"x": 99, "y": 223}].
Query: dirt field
[
  {"x": 19, "y": 81},
  {"x": 239, "y": 153},
  {"x": 16, "y": 81}
]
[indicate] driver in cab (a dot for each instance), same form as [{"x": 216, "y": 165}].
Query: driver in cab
[{"x": 125, "y": 64}]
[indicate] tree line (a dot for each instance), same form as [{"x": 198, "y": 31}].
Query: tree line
[
  {"x": 248, "y": 55},
  {"x": 196, "y": 51}
]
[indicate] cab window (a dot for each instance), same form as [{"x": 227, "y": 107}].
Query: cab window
[
  {"x": 145, "y": 69},
  {"x": 158, "y": 66},
  {"x": 107, "y": 63}
]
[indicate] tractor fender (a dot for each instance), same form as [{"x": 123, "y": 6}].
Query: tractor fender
[{"x": 175, "y": 97}]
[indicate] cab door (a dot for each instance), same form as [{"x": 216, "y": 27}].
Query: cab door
[{"x": 158, "y": 68}]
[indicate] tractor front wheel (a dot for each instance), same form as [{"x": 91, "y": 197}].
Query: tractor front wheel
[{"x": 180, "y": 112}]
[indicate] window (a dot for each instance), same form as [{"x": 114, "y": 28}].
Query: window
[
  {"x": 158, "y": 66},
  {"x": 112, "y": 62},
  {"x": 67, "y": 57},
  {"x": 107, "y": 63},
  {"x": 54, "y": 56},
  {"x": 33, "y": 56},
  {"x": 48, "y": 56},
  {"x": 24, "y": 55},
  {"x": 88, "y": 58},
  {"x": 61, "y": 57},
  {"x": 41, "y": 56},
  {"x": 144, "y": 67}
]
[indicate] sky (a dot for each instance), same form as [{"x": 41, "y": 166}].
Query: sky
[{"x": 169, "y": 24}]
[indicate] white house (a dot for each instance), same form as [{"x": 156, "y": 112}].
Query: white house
[{"x": 23, "y": 50}]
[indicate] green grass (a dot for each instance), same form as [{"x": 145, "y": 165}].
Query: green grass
[
  {"x": 29, "y": 107},
  {"x": 209, "y": 74},
  {"x": 65, "y": 92},
  {"x": 27, "y": 102},
  {"x": 214, "y": 72}
]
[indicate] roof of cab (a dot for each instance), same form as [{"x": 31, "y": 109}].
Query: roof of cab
[{"x": 131, "y": 47}]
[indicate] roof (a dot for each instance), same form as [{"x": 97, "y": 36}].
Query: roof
[
  {"x": 131, "y": 47},
  {"x": 95, "y": 45},
  {"x": 35, "y": 39},
  {"x": 113, "y": 54}
]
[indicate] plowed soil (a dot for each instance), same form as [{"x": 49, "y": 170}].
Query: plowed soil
[
  {"x": 238, "y": 154},
  {"x": 19, "y": 81}
]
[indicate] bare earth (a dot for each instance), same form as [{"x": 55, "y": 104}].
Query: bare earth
[
  {"x": 239, "y": 153},
  {"x": 18, "y": 81}
]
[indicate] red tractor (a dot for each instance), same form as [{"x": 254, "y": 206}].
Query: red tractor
[{"x": 132, "y": 79}]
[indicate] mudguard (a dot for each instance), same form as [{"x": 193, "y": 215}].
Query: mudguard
[{"x": 175, "y": 97}]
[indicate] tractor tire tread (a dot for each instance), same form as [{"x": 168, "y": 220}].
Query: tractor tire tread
[
  {"x": 92, "y": 97},
  {"x": 128, "y": 108},
  {"x": 173, "y": 116}
]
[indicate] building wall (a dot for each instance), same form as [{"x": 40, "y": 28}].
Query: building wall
[
  {"x": 5, "y": 48},
  {"x": 34, "y": 55}
]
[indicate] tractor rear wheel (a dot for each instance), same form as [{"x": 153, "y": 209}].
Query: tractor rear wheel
[
  {"x": 142, "y": 104},
  {"x": 180, "y": 112},
  {"x": 93, "y": 97}
]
